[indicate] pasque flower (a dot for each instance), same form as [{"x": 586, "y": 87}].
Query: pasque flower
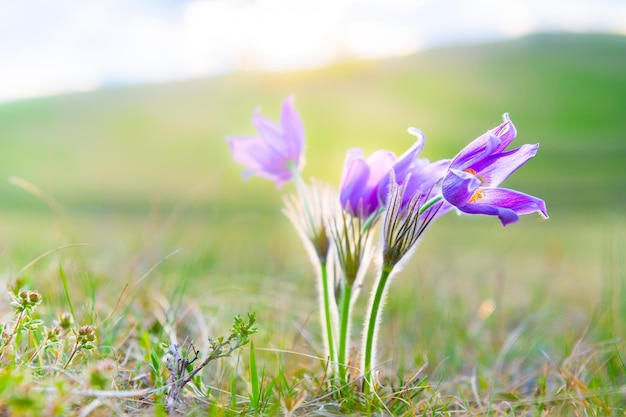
[
  {"x": 471, "y": 183},
  {"x": 416, "y": 175},
  {"x": 360, "y": 181},
  {"x": 277, "y": 152},
  {"x": 365, "y": 182}
]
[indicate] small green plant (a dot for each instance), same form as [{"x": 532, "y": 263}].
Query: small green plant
[
  {"x": 85, "y": 338},
  {"x": 24, "y": 304},
  {"x": 181, "y": 361}
]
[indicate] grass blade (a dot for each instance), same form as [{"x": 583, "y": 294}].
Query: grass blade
[{"x": 66, "y": 291}]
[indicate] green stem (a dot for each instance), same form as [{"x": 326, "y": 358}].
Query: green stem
[
  {"x": 371, "y": 334},
  {"x": 343, "y": 333},
  {"x": 300, "y": 187},
  {"x": 328, "y": 318},
  {"x": 74, "y": 351},
  {"x": 429, "y": 204}
]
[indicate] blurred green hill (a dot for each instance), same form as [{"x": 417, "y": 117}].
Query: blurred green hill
[{"x": 128, "y": 148}]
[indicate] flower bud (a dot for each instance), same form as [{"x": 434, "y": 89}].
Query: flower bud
[
  {"x": 65, "y": 320},
  {"x": 34, "y": 297}
]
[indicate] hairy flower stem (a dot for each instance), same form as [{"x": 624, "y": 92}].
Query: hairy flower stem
[
  {"x": 391, "y": 257},
  {"x": 372, "y": 327},
  {"x": 327, "y": 317},
  {"x": 343, "y": 333},
  {"x": 299, "y": 182}
]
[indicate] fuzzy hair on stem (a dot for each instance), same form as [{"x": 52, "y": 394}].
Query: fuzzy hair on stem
[
  {"x": 353, "y": 250},
  {"x": 403, "y": 227},
  {"x": 308, "y": 211}
]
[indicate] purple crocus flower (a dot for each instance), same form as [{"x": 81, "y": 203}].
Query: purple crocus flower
[
  {"x": 277, "y": 151},
  {"x": 475, "y": 173},
  {"x": 420, "y": 174},
  {"x": 360, "y": 180},
  {"x": 367, "y": 182}
]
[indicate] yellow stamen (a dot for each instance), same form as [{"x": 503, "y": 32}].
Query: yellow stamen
[{"x": 478, "y": 194}]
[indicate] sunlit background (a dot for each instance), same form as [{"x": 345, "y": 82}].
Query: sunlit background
[
  {"x": 53, "y": 47},
  {"x": 113, "y": 116},
  {"x": 120, "y": 200}
]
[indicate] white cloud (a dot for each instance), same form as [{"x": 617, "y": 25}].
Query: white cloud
[
  {"x": 291, "y": 38},
  {"x": 206, "y": 38},
  {"x": 373, "y": 39}
]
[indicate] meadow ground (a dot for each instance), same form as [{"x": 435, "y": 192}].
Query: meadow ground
[{"x": 123, "y": 207}]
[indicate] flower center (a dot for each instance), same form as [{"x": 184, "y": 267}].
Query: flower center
[{"x": 479, "y": 193}]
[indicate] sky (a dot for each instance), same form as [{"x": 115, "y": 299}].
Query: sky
[{"x": 50, "y": 47}]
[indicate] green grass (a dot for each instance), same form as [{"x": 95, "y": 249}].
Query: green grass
[{"x": 176, "y": 244}]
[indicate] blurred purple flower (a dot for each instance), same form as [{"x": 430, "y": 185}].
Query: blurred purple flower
[
  {"x": 474, "y": 174},
  {"x": 277, "y": 152},
  {"x": 360, "y": 180}
]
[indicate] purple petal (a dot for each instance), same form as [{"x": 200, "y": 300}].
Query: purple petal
[
  {"x": 445, "y": 208},
  {"x": 507, "y": 204},
  {"x": 406, "y": 164},
  {"x": 515, "y": 200},
  {"x": 479, "y": 149},
  {"x": 459, "y": 186},
  {"x": 353, "y": 154},
  {"x": 492, "y": 142},
  {"x": 506, "y": 215},
  {"x": 436, "y": 170},
  {"x": 425, "y": 178},
  {"x": 254, "y": 153},
  {"x": 270, "y": 132},
  {"x": 506, "y": 132},
  {"x": 354, "y": 180},
  {"x": 293, "y": 129},
  {"x": 360, "y": 180},
  {"x": 276, "y": 151},
  {"x": 380, "y": 163},
  {"x": 406, "y": 160},
  {"x": 498, "y": 167}
]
